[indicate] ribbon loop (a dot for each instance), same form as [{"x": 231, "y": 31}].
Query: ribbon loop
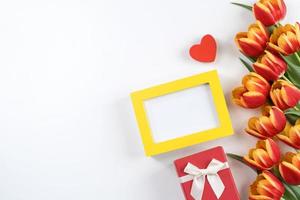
[{"x": 199, "y": 176}]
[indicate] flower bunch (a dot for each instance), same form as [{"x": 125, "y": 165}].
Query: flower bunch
[{"x": 271, "y": 53}]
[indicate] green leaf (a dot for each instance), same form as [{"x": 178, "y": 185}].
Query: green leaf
[
  {"x": 251, "y": 59},
  {"x": 293, "y": 114},
  {"x": 287, "y": 196},
  {"x": 296, "y": 190},
  {"x": 291, "y": 59},
  {"x": 289, "y": 193},
  {"x": 247, "y": 65},
  {"x": 242, "y": 5},
  {"x": 292, "y": 118},
  {"x": 241, "y": 159},
  {"x": 236, "y": 157},
  {"x": 297, "y": 106},
  {"x": 293, "y": 71}
]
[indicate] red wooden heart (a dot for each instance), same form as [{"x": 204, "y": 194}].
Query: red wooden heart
[{"x": 205, "y": 51}]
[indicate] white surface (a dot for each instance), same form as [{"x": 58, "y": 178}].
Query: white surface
[
  {"x": 181, "y": 113},
  {"x": 67, "y": 128}
]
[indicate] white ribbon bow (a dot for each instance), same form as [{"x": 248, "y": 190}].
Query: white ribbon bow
[{"x": 198, "y": 177}]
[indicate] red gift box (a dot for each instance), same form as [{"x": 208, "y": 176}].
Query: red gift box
[{"x": 203, "y": 161}]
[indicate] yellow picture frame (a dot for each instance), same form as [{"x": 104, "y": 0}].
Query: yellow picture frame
[{"x": 224, "y": 129}]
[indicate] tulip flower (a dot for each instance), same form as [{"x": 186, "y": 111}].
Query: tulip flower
[
  {"x": 253, "y": 93},
  {"x": 291, "y": 135},
  {"x": 264, "y": 156},
  {"x": 284, "y": 95},
  {"x": 289, "y": 168},
  {"x": 266, "y": 187},
  {"x": 271, "y": 123},
  {"x": 285, "y": 39},
  {"x": 269, "y": 66},
  {"x": 253, "y": 42},
  {"x": 269, "y": 12}
]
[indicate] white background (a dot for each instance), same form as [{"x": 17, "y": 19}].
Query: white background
[{"x": 67, "y": 67}]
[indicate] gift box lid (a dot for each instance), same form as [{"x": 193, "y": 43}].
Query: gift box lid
[{"x": 202, "y": 160}]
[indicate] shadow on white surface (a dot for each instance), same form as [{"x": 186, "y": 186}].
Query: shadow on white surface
[{"x": 129, "y": 135}]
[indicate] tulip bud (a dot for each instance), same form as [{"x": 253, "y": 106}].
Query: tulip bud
[
  {"x": 284, "y": 95},
  {"x": 264, "y": 156},
  {"x": 285, "y": 39},
  {"x": 266, "y": 187},
  {"x": 289, "y": 168},
  {"x": 269, "y": 12},
  {"x": 253, "y": 93},
  {"x": 269, "y": 66},
  {"x": 253, "y": 42},
  {"x": 270, "y": 123},
  {"x": 291, "y": 135}
]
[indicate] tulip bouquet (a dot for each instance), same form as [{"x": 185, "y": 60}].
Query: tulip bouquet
[{"x": 271, "y": 53}]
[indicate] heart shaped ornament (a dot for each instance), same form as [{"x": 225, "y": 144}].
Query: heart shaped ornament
[{"x": 205, "y": 51}]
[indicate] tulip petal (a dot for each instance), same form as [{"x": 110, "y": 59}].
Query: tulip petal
[
  {"x": 256, "y": 134},
  {"x": 276, "y": 97},
  {"x": 282, "y": 8},
  {"x": 290, "y": 95},
  {"x": 296, "y": 161},
  {"x": 277, "y": 118},
  {"x": 250, "y": 47},
  {"x": 273, "y": 180},
  {"x": 294, "y": 135},
  {"x": 287, "y": 141},
  {"x": 273, "y": 150},
  {"x": 276, "y": 48},
  {"x": 265, "y": 188},
  {"x": 265, "y": 71},
  {"x": 263, "y": 14},
  {"x": 253, "y": 99},
  {"x": 261, "y": 157},
  {"x": 288, "y": 43},
  {"x": 289, "y": 173},
  {"x": 297, "y": 31},
  {"x": 254, "y": 164},
  {"x": 268, "y": 126}
]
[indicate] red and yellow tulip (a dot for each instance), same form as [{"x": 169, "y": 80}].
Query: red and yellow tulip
[
  {"x": 270, "y": 123},
  {"x": 264, "y": 156},
  {"x": 269, "y": 12},
  {"x": 270, "y": 66},
  {"x": 284, "y": 95},
  {"x": 253, "y": 42},
  {"x": 266, "y": 187},
  {"x": 289, "y": 168},
  {"x": 285, "y": 39},
  {"x": 253, "y": 93},
  {"x": 291, "y": 135}
]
